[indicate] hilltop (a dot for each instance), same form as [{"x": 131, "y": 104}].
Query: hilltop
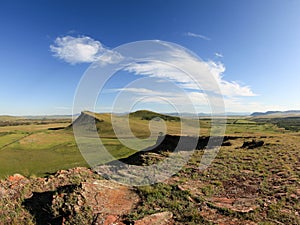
[
  {"x": 149, "y": 115},
  {"x": 138, "y": 121}
]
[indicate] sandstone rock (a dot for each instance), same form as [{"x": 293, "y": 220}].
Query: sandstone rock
[
  {"x": 16, "y": 177},
  {"x": 155, "y": 219},
  {"x": 108, "y": 198},
  {"x": 242, "y": 205}
]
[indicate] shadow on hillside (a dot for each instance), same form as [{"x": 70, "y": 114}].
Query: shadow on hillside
[{"x": 171, "y": 143}]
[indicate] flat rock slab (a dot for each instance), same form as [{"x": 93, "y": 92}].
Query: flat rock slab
[
  {"x": 220, "y": 219},
  {"x": 242, "y": 205},
  {"x": 162, "y": 218},
  {"x": 75, "y": 196},
  {"x": 108, "y": 198}
]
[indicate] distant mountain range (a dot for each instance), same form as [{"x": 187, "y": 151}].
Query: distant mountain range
[
  {"x": 172, "y": 114},
  {"x": 50, "y": 117},
  {"x": 277, "y": 113},
  {"x": 208, "y": 114}
]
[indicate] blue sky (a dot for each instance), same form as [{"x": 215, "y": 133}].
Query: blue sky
[{"x": 252, "y": 44}]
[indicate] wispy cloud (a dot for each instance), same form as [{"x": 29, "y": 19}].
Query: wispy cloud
[
  {"x": 190, "y": 34},
  {"x": 160, "y": 93},
  {"x": 207, "y": 76},
  {"x": 219, "y": 55},
  {"x": 82, "y": 49},
  {"x": 198, "y": 79},
  {"x": 181, "y": 87},
  {"x": 158, "y": 97}
]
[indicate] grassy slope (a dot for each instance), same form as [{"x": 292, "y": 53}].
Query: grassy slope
[
  {"x": 35, "y": 150},
  {"x": 268, "y": 176},
  {"x": 266, "y": 179}
]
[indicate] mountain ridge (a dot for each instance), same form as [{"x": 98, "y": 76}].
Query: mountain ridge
[{"x": 277, "y": 113}]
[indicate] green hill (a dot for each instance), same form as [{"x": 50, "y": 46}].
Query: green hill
[
  {"x": 138, "y": 122},
  {"x": 149, "y": 115}
]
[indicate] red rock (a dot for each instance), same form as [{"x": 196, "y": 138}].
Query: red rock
[
  {"x": 242, "y": 205},
  {"x": 109, "y": 198},
  {"x": 155, "y": 219},
  {"x": 110, "y": 220},
  {"x": 16, "y": 177}
]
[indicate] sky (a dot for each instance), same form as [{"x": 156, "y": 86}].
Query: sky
[{"x": 250, "y": 48}]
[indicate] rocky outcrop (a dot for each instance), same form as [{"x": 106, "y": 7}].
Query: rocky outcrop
[
  {"x": 86, "y": 121},
  {"x": 75, "y": 196},
  {"x": 252, "y": 144},
  {"x": 170, "y": 143},
  {"x": 162, "y": 218}
]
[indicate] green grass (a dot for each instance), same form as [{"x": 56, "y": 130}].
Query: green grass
[
  {"x": 248, "y": 129},
  {"x": 33, "y": 149},
  {"x": 48, "y": 151},
  {"x": 288, "y": 123},
  {"x": 7, "y": 138},
  {"x": 149, "y": 115},
  {"x": 268, "y": 175},
  {"x": 162, "y": 197},
  {"x": 39, "y": 163}
]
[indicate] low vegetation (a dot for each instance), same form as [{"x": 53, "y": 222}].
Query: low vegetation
[
  {"x": 257, "y": 185},
  {"x": 288, "y": 123},
  {"x": 148, "y": 115}
]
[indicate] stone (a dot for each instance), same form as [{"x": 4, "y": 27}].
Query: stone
[{"x": 162, "y": 218}]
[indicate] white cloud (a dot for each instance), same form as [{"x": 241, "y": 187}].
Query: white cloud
[
  {"x": 197, "y": 96},
  {"x": 142, "y": 91},
  {"x": 207, "y": 76},
  {"x": 82, "y": 50},
  {"x": 190, "y": 34},
  {"x": 162, "y": 97},
  {"x": 199, "y": 79},
  {"x": 219, "y": 55},
  {"x": 234, "y": 89}
]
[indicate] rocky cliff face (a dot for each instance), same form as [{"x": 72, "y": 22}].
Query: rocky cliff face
[{"x": 75, "y": 196}]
